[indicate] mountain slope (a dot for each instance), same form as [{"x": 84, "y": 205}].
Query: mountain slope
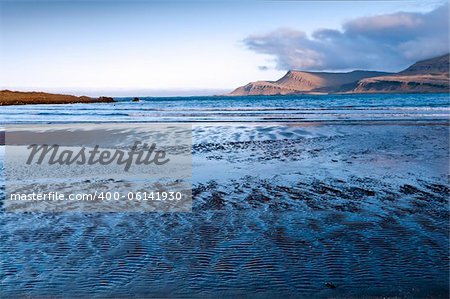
[
  {"x": 303, "y": 82},
  {"x": 431, "y": 75},
  {"x": 437, "y": 65}
]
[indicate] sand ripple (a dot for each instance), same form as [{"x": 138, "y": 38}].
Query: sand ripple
[{"x": 282, "y": 217}]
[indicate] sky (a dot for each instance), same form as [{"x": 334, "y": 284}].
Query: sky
[{"x": 128, "y": 48}]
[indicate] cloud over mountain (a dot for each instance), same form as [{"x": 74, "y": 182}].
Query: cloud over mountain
[{"x": 388, "y": 42}]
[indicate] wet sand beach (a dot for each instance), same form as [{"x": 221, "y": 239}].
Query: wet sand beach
[{"x": 288, "y": 210}]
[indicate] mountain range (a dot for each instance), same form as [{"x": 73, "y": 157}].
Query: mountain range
[{"x": 431, "y": 75}]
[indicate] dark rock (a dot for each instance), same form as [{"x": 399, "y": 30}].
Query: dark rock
[
  {"x": 409, "y": 189},
  {"x": 105, "y": 100},
  {"x": 136, "y": 100},
  {"x": 330, "y": 285}
]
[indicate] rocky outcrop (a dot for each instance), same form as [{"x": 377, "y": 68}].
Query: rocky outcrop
[
  {"x": 262, "y": 87},
  {"x": 8, "y": 97},
  {"x": 399, "y": 84},
  {"x": 102, "y": 100}
]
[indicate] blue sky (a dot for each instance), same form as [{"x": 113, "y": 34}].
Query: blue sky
[{"x": 183, "y": 47}]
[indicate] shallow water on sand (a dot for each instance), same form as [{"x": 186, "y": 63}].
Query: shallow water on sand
[{"x": 279, "y": 210}]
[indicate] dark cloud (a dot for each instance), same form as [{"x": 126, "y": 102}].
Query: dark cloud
[{"x": 384, "y": 42}]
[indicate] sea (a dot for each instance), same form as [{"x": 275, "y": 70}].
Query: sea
[{"x": 290, "y": 108}]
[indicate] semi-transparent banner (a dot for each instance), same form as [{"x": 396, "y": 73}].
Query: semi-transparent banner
[{"x": 98, "y": 167}]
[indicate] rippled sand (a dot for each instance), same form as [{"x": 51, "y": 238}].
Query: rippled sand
[{"x": 279, "y": 211}]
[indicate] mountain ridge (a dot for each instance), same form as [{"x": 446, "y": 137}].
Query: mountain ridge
[
  {"x": 429, "y": 75},
  {"x": 425, "y": 76}
]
